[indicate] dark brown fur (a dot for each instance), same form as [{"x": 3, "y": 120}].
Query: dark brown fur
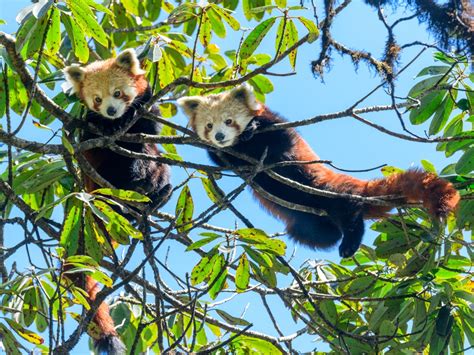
[
  {"x": 145, "y": 176},
  {"x": 345, "y": 216}
]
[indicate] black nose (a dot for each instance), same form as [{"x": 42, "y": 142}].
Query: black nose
[
  {"x": 219, "y": 136},
  {"x": 111, "y": 111}
]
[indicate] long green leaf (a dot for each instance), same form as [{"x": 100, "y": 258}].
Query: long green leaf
[
  {"x": 242, "y": 274},
  {"x": 53, "y": 38},
  {"x": 79, "y": 44},
  {"x": 70, "y": 233},
  {"x": 254, "y": 38},
  {"x": 311, "y": 27},
  {"x": 184, "y": 210},
  {"x": 87, "y": 21}
]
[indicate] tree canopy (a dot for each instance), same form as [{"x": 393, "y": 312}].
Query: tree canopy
[{"x": 409, "y": 291}]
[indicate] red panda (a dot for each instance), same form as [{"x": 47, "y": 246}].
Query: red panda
[
  {"x": 113, "y": 90},
  {"x": 233, "y": 119}
]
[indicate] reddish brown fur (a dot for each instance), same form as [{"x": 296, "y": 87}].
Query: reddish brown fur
[
  {"x": 344, "y": 216},
  {"x": 438, "y": 196},
  {"x": 102, "y": 316},
  {"x": 141, "y": 84}
]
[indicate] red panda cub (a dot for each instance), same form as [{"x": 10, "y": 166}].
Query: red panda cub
[
  {"x": 113, "y": 90},
  {"x": 233, "y": 119}
]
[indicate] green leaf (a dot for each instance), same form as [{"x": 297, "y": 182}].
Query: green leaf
[
  {"x": 218, "y": 275},
  {"x": 216, "y": 23},
  {"x": 231, "y": 319},
  {"x": 24, "y": 32},
  {"x": 132, "y": 6},
  {"x": 119, "y": 227},
  {"x": 101, "y": 277},
  {"x": 205, "y": 33},
  {"x": 465, "y": 164},
  {"x": 281, "y": 3},
  {"x": 36, "y": 36},
  {"x": 92, "y": 246},
  {"x": 428, "y": 166},
  {"x": 121, "y": 314},
  {"x": 260, "y": 258},
  {"x": 442, "y": 114},
  {"x": 166, "y": 71},
  {"x": 444, "y": 321},
  {"x": 311, "y": 27},
  {"x": 53, "y": 38},
  {"x": 86, "y": 20},
  {"x": 99, "y": 7},
  {"x": 211, "y": 192},
  {"x": 70, "y": 233},
  {"x": 79, "y": 296},
  {"x": 426, "y": 84},
  {"x": 463, "y": 105},
  {"x": 82, "y": 260},
  {"x": 9, "y": 342},
  {"x": 200, "y": 243},
  {"x": 261, "y": 241},
  {"x": 202, "y": 270},
  {"x": 281, "y": 39},
  {"x": 29, "y": 309},
  {"x": 254, "y": 38},
  {"x": 292, "y": 39},
  {"x": 225, "y": 14},
  {"x": 434, "y": 70},
  {"x": 255, "y": 345},
  {"x": 428, "y": 105},
  {"x": 387, "y": 328},
  {"x": 126, "y": 195},
  {"x": 184, "y": 210},
  {"x": 328, "y": 308},
  {"x": 218, "y": 285},
  {"x": 259, "y": 9},
  {"x": 41, "y": 321},
  {"x": 26, "y": 334},
  {"x": 79, "y": 44},
  {"x": 242, "y": 274}
]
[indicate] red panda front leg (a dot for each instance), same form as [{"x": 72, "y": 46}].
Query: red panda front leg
[{"x": 353, "y": 230}]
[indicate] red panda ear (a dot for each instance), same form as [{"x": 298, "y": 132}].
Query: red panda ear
[
  {"x": 245, "y": 94},
  {"x": 189, "y": 104},
  {"x": 128, "y": 60},
  {"x": 74, "y": 76}
]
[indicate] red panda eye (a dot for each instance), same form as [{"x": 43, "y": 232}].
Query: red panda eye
[
  {"x": 117, "y": 93},
  {"x": 97, "y": 99},
  {"x": 228, "y": 122},
  {"x": 209, "y": 125}
]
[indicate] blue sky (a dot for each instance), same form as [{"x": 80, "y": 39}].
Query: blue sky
[{"x": 346, "y": 142}]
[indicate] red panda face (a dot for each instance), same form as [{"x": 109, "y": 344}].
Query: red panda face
[
  {"x": 220, "y": 119},
  {"x": 108, "y": 87}
]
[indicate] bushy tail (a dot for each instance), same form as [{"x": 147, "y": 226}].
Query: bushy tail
[
  {"x": 109, "y": 343},
  {"x": 437, "y": 195}
]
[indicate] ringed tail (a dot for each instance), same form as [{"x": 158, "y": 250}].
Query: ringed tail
[
  {"x": 437, "y": 195},
  {"x": 109, "y": 342}
]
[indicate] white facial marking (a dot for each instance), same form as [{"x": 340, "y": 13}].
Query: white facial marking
[
  {"x": 221, "y": 118},
  {"x": 112, "y": 107},
  {"x": 102, "y": 79}
]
